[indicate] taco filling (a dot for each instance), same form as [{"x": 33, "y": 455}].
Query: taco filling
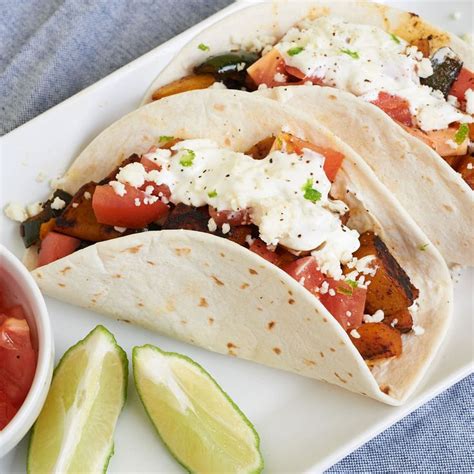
[
  {"x": 428, "y": 93},
  {"x": 275, "y": 199}
]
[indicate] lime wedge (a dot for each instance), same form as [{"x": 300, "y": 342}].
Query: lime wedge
[
  {"x": 74, "y": 432},
  {"x": 198, "y": 422}
]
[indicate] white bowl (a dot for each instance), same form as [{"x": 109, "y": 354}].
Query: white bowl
[{"x": 41, "y": 332}]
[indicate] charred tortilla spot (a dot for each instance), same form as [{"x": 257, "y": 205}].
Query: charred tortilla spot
[
  {"x": 39, "y": 275},
  {"x": 203, "y": 302},
  {"x": 140, "y": 305},
  {"x": 183, "y": 321},
  {"x": 309, "y": 362},
  {"x": 259, "y": 308},
  {"x": 93, "y": 301},
  {"x": 210, "y": 321},
  {"x": 182, "y": 251},
  {"x": 231, "y": 345},
  {"x": 385, "y": 389},
  {"x": 222, "y": 254},
  {"x": 65, "y": 270},
  {"x": 219, "y": 107},
  {"x": 291, "y": 301},
  {"x": 349, "y": 374},
  {"x": 124, "y": 321},
  {"x": 340, "y": 378},
  {"x": 133, "y": 250},
  {"x": 325, "y": 320},
  {"x": 62, "y": 285},
  {"x": 117, "y": 275},
  {"x": 290, "y": 292},
  {"x": 252, "y": 271},
  {"x": 151, "y": 263},
  {"x": 217, "y": 281},
  {"x": 322, "y": 355},
  {"x": 244, "y": 285},
  {"x": 271, "y": 325},
  {"x": 332, "y": 349},
  {"x": 277, "y": 350}
]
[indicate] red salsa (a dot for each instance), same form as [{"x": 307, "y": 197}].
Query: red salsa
[{"x": 17, "y": 354}]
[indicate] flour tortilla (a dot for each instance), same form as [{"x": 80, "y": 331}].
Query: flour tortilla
[
  {"x": 435, "y": 196},
  {"x": 211, "y": 292}
]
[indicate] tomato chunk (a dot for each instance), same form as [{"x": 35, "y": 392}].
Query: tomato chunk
[
  {"x": 290, "y": 143},
  {"x": 396, "y": 107},
  {"x": 17, "y": 366},
  {"x": 55, "y": 246},
  {"x": 463, "y": 82},
  {"x": 306, "y": 272},
  {"x": 345, "y": 303},
  {"x": 123, "y": 211},
  {"x": 230, "y": 217},
  {"x": 260, "y": 248}
]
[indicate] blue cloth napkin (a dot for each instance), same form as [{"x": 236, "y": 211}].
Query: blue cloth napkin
[{"x": 51, "y": 49}]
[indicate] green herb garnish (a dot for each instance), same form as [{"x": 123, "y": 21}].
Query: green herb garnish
[
  {"x": 344, "y": 291},
  {"x": 212, "y": 194},
  {"x": 395, "y": 38},
  {"x": 203, "y": 47},
  {"x": 462, "y": 133},
  {"x": 310, "y": 193},
  {"x": 423, "y": 247},
  {"x": 352, "y": 283},
  {"x": 165, "y": 138},
  {"x": 187, "y": 159},
  {"x": 352, "y": 54},
  {"x": 295, "y": 50}
]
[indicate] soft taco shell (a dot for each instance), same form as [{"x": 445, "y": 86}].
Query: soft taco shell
[
  {"x": 434, "y": 194},
  {"x": 218, "y": 295}
]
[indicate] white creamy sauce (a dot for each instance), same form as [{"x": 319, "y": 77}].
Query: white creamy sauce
[
  {"x": 200, "y": 173},
  {"x": 364, "y": 60}
]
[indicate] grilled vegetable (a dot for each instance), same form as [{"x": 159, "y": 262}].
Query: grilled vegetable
[
  {"x": 187, "y": 83},
  {"x": 30, "y": 229},
  {"x": 261, "y": 149},
  {"x": 465, "y": 166},
  {"x": 423, "y": 44},
  {"x": 390, "y": 289},
  {"x": 377, "y": 341},
  {"x": 238, "y": 234},
  {"x": 229, "y": 68},
  {"x": 400, "y": 320},
  {"x": 446, "y": 68},
  {"x": 188, "y": 218},
  {"x": 78, "y": 219}
]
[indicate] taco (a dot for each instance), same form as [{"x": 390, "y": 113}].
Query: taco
[
  {"x": 412, "y": 120},
  {"x": 228, "y": 221}
]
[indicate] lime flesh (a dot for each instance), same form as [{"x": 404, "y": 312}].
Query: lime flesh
[
  {"x": 74, "y": 432},
  {"x": 198, "y": 422}
]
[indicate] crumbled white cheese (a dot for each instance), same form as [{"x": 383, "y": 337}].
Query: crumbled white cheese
[
  {"x": 137, "y": 202},
  {"x": 279, "y": 77},
  {"x": 217, "y": 85},
  {"x": 451, "y": 143},
  {"x": 225, "y": 228},
  {"x": 469, "y": 166},
  {"x": 120, "y": 229},
  {"x": 365, "y": 60},
  {"x": 16, "y": 212},
  {"x": 324, "y": 287},
  {"x": 211, "y": 225},
  {"x": 133, "y": 174},
  {"x": 453, "y": 100},
  {"x": 469, "y": 96},
  {"x": 249, "y": 240},
  {"x": 377, "y": 317},
  {"x": 332, "y": 292},
  {"x": 118, "y": 187},
  {"x": 256, "y": 44},
  {"x": 394, "y": 322},
  {"x": 75, "y": 205},
  {"x": 355, "y": 334},
  {"x": 272, "y": 189},
  {"x": 262, "y": 87},
  {"x": 348, "y": 314},
  {"x": 418, "y": 330},
  {"x": 456, "y": 15},
  {"x": 87, "y": 195},
  {"x": 34, "y": 208},
  {"x": 240, "y": 66},
  {"x": 58, "y": 204}
]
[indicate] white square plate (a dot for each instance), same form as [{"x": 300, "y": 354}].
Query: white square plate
[{"x": 304, "y": 425}]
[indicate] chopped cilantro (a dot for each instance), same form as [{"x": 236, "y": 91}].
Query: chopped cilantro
[
  {"x": 352, "y": 283},
  {"x": 212, "y": 194},
  {"x": 352, "y": 54},
  {"x": 165, "y": 138},
  {"x": 462, "y": 133},
  {"x": 423, "y": 247},
  {"x": 203, "y": 47},
  {"x": 187, "y": 158},
  {"x": 395, "y": 38},
  {"x": 344, "y": 291},
  {"x": 310, "y": 193},
  {"x": 295, "y": 50}
]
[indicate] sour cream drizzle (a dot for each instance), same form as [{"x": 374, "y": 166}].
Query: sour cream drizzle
[
  {"x": 272, "y": 189},
  {"x": 364, "y": 60}
]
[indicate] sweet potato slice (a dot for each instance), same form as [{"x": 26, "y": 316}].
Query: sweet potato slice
[
  {"x": 78, "y": 219},
  {"x": 377, "y": 341},
  {"x": 187, "y": 83},
  {"x": 390, "y": 289},
  {"x": 401, "y": 320},
  {"x": 261, "y": 149}
]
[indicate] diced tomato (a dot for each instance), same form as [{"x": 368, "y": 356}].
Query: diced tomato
[
  {"x": 122, "y": 211},
  {"x": 149, "y": 165},
  {"x": 396, "y": 107},
  {"x": 55, "y": 246},
  {"x": 346, "y": 305},
  {"x": 260, "y": 248},
  {"x": 17, "y": 366},
  {"x": 463, "y": 82},
  {"x": 333, "y": 159},
  {"x": 438, "y": 140},
  {"x": 306, "y": 271},
  {"x": 230, "y": 217}
]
